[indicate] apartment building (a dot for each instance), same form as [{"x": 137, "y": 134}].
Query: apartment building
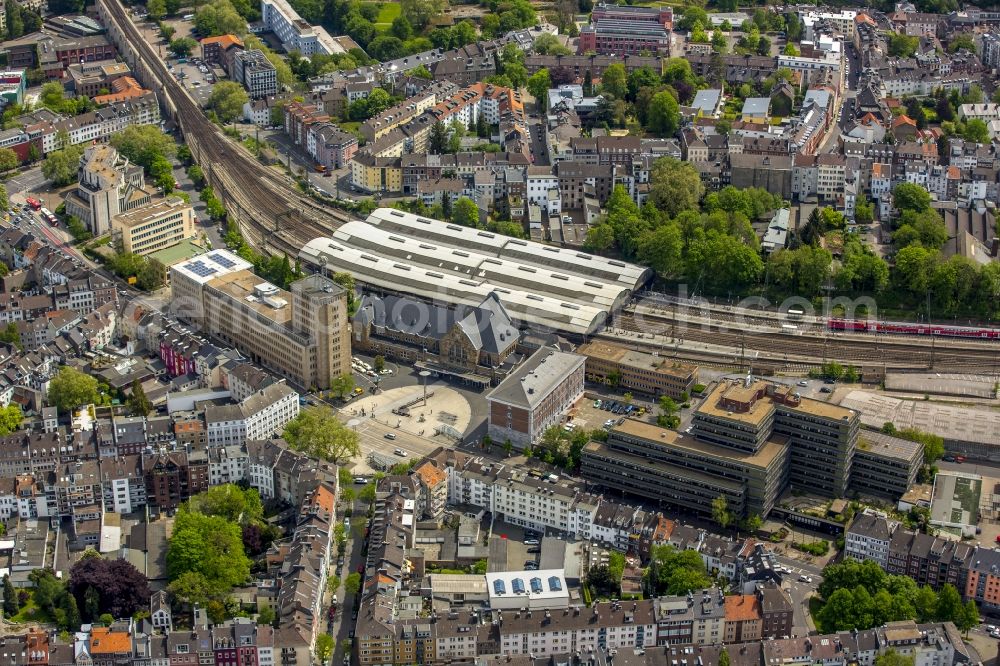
[
  {"x": 296, "y": 34},
  {"x": 983, "y": 581},
  {"x": 535, "y": 396},
  {"x": 254, "y": 71},
  {"x": 929, "y": 560},
  {"x": 156, "y": 226},
  {"x": 605, "y": 626},
  {"x": 638, "y": 372},
  {"x": 259, "y": 416},
  {"x": 301, "y": 335},
  {"x": 869, "y": 537},
  {"x": 109, "y": 185},
  {"x": 744, "y": 622},
  {"x": 99, "y": 124},
  {"x": 221, "y": 50},
  {"x": 698, "y": 618}
]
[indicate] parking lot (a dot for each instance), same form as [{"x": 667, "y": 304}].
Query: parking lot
[{"x": 194, "y": 76}]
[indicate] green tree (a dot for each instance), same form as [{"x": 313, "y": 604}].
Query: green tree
[
  {"x": 342, "y": 384},
  {"x": 60, "y": 166},
  {"x": 909, "y": 196},
  {"x": 600, "y": 237},
  {"x": 152, "y": 275},
  {"x": 672, "y": 571},
  {"x": 662, "y": 250},
  {"x": 420, "y": 12},
  {"x": 8, "y": 160},
  {"x": 219, "y": 17},
  {"x": 227, "y": 100},
  {"x": 664, "y": 114},
  {"x": 675, "y": 186},
  {"x": 183, "y": 46},
  {"x": 138, "y": 403},
  {"x": 724, "y": 657},
  {"x": 693, "y": 15},
  {"x": 615, "y": 81},
  {"x": 10, "y": 601},
  {"x": 352, "y": 584},
  {"x": 208, "y": 545},
  {"x": 191, "y": 588},
  {"x": 317, "y": 432},
  {"x": 892, "y": 658},
  {"x": 720, "y": 512},
  {"x": 538, "y": 85},
  {"x": 903, "y": 46},
  {"x": 267, "y": 616},
  {"x": 143, "y": 144},
  {"x": 71, "y": 388},
  {"x": 324, "y": 647},
  {"x": 549, "y": 44},
  {"x": 157, "y": 9},
  {"x": 864, "y": 211},
  {"x": 231, "y": 502},
  {"x": 11, "y": 336},
  {"x": 465, "y": 212}
]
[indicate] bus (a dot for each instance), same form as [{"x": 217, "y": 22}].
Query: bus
[
  {"x": 34, "y": 203},
  {"x": 49, "y": 217}
]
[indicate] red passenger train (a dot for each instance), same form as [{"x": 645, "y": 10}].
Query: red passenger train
[{"x": 865, "y": 326}]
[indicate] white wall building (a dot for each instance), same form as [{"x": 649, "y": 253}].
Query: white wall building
[{"x": 295, "y": 34}]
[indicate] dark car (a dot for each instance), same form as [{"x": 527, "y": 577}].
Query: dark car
[{"x": 825, "y": 389}]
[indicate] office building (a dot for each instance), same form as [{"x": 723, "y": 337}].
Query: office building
[
  {"x": 161, "y": 224},
  {"x": 636, "y": 371},
  {"x": 296, "y": 34},
  {"x": 255, "y": 72},
  {"x": 822, "y": 437},
  {"x": 885, "y": 465},
  {"x": 221, "y": 51},
  {"x": 535, "y": 396},
  {"x": 625, "y": 30},
  {"x": 300, "y": 335},
  {"x": 677, "y": 469},
  {"x": 108, "y": 185}
]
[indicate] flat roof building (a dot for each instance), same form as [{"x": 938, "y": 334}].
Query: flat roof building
[
  {"x": 748, "y": 440},
  {"x": 885, "y": 465},
  {"x": 674, "y": 469},
  {"x": 301, "y": 335},
  {"x": 161, "y": 224},
  {"x": 534, "y": 590},
  {"x": 295, "y": 33},
  {"x": 252, "y": 69},
  {"x": 637, "y": 371},
  {"x": 539, "y": 285},
  {"x": 534, "y": 397}
]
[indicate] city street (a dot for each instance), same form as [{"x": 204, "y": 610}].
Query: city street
[{"x": 800, "y": 592}]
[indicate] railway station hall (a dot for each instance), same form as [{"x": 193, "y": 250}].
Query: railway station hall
[{"x": 541, "y": 286}]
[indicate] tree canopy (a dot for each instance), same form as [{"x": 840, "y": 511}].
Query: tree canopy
[
  {"x": 318, "y": 432},
  {"x": 107, "y": 586},
  {"x": 673, "y": 571},
  {"x": 71, "y": 388},
  {"x": 207, "y": 546}
]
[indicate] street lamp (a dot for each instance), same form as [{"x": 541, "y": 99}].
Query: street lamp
[{"x": 424, "y": 374}]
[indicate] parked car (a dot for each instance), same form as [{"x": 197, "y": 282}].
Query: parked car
[{"x": 531, "y": 542}]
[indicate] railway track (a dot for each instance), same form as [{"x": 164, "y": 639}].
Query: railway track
[
  {"x": 887, "y": 351},
  {"x": 273, "y": 218}
]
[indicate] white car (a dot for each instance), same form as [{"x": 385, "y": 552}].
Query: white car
[
  {"x": 805, "y": 579},
  {"x": 386, "y": 371}
]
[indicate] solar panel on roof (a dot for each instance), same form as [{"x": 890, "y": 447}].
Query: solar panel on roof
[
  {"x": 555, "y": 585},
  {"x": 222, "y": 260},
  {"x": 200, "y": 269},
  {"x": 517, "y": 585},
  {"x": 536, "y": 585},
  {"x": 499, "y": 587}
]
